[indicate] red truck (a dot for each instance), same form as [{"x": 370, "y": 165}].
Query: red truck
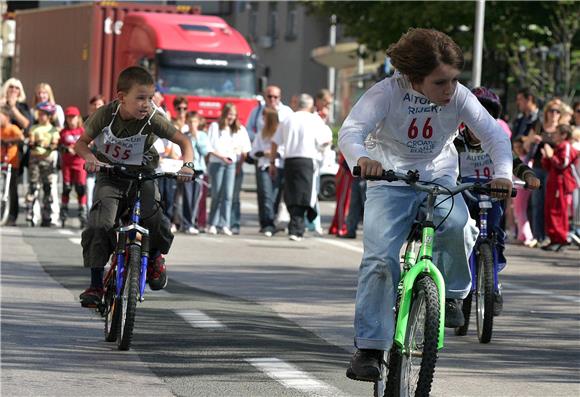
[{"x": 79, "y": 50}]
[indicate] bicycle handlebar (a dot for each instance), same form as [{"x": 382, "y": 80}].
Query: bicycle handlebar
[
  {"x": 123, "y": 172},
  {"x": 412, "y": 178}
]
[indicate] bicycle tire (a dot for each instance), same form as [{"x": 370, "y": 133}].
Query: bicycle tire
[
  {"x": 111, "y": 310},
  {"x": 484, "y": 293},
  {"x": 466, "y": 309},
  {"x": 4, "y": 203},
  {"x": 423, "y": 316},
  {"x": 128, "y": 299}
]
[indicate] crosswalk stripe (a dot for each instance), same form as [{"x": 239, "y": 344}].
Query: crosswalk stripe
[
  {"x": 199, "y": 319},
  {"x": 293, "y": 378}
]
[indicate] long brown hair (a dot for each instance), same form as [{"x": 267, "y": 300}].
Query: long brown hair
[
  {"x": 228, "y": 107},
  {"x": 419, "y": 51},
  {"x": 270, "y": 122}
]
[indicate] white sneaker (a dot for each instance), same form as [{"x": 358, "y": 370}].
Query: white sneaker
[
  {"x": 227, "y": 231},
  {"x": 294, "y": 237},
  {"x": 212, "y": 230},
  {"x": 268, "y": 233},
  {"x": 235, "y": 230},
  {"x": 191, "y": 230},
  {"x": 173, "y": 228}
]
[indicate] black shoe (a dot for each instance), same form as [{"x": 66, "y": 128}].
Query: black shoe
[
  {"x": 364, "y": 365},
  {"x": 497, "y": 303},
  {"x": 553, "y": 247},
  {"x": 91, "y": 297},
  {"x": 348, "y": 235},
  {"x": 453, "y": 313}
]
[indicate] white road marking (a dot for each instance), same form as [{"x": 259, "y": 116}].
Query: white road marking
[
  {"x": 199, "y": 319},
  {"x": 246, "y": 205},
  {"x": 66, "y": 232},
  {"x": 342, "y": 245},
  {"x": 75, "y": 240},
  {"x": 293, "y": 378},
  {"x": 533, "y": 291}
]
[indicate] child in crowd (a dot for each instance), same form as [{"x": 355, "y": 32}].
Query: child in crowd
[
  {"x": 192, "y": 193},
  {"x": 124, "y": 132},
  {"x": 560, "y": 184},
  {"x": 43, "y": 141},
  {"x": 72, "y": 165},
  {"x": 521, "y": 201},
  {"x": 11, "y": 136}
]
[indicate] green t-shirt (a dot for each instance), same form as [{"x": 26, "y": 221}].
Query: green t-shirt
[{"x": 158, "y": 126}]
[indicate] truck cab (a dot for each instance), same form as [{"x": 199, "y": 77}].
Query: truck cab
[{"x": 198, "y": 57}]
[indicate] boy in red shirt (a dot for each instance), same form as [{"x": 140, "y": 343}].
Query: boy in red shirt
[
  {"x": 559, "y": 186},
  {"x": 72, "y": 165}
]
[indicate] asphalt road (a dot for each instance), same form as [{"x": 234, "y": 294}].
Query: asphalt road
[{"x": 252, "y": 316}]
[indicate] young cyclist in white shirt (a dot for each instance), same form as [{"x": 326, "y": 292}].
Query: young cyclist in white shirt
[{"x": 414, "y": 116}]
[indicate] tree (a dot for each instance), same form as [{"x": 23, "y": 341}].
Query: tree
[{"x": 538, "y": 41}]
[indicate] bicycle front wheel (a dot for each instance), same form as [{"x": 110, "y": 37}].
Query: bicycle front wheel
[
  {"x": 484, "y": 293},
  {"x": 413, "y": 368},
  {"x": 112, "y": 311},
  {"x": 128, "y": 299}
]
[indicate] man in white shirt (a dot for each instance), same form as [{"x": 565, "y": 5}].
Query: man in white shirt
[
  {"x": 273, "y": 100},
  {"x": 301, "y": 134}
]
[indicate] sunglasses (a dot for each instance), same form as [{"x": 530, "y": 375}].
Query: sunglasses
[
  {"x": 272, "y": 96},
  {"x": 554, "y": 110},
  {"x": 183, "y": 108}
]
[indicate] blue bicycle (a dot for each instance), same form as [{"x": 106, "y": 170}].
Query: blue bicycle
[
  {"x": 124, "y": 283},
  {"x": 484, "y": 268}
]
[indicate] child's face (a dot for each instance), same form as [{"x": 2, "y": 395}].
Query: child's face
[
  {"x": 231, "y": 117},
  {"x": 43, "y": 117},
  {"x": 193, "y": 123},
  {"x": 72, "y": 121},
  {"x": 137, "y": 102},
  {"x": 519, "y": 149},
  {"x": 439, "y": 86}
]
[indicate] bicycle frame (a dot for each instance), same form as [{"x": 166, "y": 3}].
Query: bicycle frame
[
  {"x": 415, "y": 266},
  {"x": 133, "y": 233}
]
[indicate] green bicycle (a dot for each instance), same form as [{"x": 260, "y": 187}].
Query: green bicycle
[{"x": 408, "y": 368}]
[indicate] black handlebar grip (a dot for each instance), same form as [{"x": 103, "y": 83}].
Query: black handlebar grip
[{"x": 356, "y": 170}]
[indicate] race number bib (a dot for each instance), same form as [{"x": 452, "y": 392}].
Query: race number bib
[
  {"x": 475, "y": 165},
  {"x": 121, "y": 150}
]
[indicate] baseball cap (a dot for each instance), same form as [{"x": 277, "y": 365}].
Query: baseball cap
[
  {"x": 46, "y": 107},
  {"x": 72, "y": 111}
]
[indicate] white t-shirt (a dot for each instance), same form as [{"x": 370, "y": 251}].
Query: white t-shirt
[
  {"x": 226, "y": 143},
  {"x": 302, "y": 135},
  {"x": 409, "y": 132}
]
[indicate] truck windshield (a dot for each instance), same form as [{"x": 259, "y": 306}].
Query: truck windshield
[{"x": 212, "y": 82}]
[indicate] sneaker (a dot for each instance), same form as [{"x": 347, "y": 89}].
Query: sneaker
[
  {"x": 212, "y": 230},
  {"x": 156, "y": 273},
  {"x": 552, "y": 247},
  {"x": 348, "y": 235},
  {"x": 268, "y": 233},
  {"x": 497, "y": 302},
  {"x": 531, "y": 243},
  {"x": 364, "y": 365},
  {"x": 453, "y": 313},
  {"x": 191, "y": 230},
  {"x": 227, "y": 231},
  {"x": 91, "y": 297},
  {"x": 173, "y": 228},
  {"x": 294, "y": 237},
  {"x": 235, "y": 230}
]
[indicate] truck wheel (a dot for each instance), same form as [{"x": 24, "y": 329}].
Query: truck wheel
[{"x": 327, "y": 188}]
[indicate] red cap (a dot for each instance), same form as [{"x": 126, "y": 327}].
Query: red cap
[{"x": 72, "y": 111}]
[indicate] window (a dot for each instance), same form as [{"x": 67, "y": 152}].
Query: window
[
  {"x": 273, "y": 20},
  {"x": 291, "y": 15}
]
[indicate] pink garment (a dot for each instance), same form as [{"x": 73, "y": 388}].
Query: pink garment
[
  {"x": 521, "y": 215},
  {"x": 505, "y": 127}
]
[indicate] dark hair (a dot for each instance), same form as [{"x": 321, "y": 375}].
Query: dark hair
[
  {"x": 420, "y": 51},
  {"x": 96, "y": 98},
  {"x": 527, "y": 93},
  {"x": 322, "y": 93},
  {"x": 132, "y": 76},
  {"x": 179, "y": 100},
  {"x": 222, "y": 120},
  {"x": 493, "y": 108},
  {"x": 566, "y": 130}
]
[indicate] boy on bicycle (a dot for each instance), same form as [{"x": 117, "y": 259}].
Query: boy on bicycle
[
  {"x": 123, "y": 133},
  {"x": 476, "y": 165},
  {"x": 414, "y": 116}
]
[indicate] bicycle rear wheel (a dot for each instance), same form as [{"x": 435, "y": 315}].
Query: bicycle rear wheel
[
  {"x": 128, "y": 300},
  {"x": 484, "y": 293},
  {"x": 4, "y": 197},
  {"x": 112, "y": 311},
  {"x": 411, "y": 370}
]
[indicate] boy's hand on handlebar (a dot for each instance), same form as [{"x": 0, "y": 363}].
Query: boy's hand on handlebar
[
  {"x": 501, "y": 184},
  {"x": 369, "y": 167},
  {"x": 185, "y": 174},
  {"x": 93, "y": 165},
  {"x": 532, "y": 182}
]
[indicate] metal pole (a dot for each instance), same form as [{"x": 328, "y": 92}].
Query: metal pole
[
  {"x": 478, "y": 42},
  {"x": 332, "y": 71}
]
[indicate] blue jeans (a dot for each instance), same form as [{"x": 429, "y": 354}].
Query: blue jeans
[
  {"x": 357, "y": 202},
  {"x": 537, "y": 200},
  {"x": 236, "y": 214},
  {"x": 191, "y": 192},
  {"x": 267, "y": 192},
  {"x": 167, "y": 189},
  {"x": 222, "y": 190},
  {"x": 389, "y": 214}
]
